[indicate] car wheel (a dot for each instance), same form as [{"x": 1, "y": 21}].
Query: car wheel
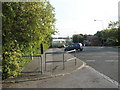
[{"x": 81, "y": 49}]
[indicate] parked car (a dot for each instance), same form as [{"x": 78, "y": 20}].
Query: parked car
[
  {"x": 60, "y": 46},
  {"x": 76, "y": 46}
]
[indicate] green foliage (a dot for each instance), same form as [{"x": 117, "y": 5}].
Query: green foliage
[
  {"x": 25, "y": 26},
  {"x": 78, "y": 38},
  {"x": 109, "y": 36}
]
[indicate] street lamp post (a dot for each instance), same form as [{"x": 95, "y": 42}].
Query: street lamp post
[
  {"x": 102, "y": 29},
  {"x": 101, "y": 23}
]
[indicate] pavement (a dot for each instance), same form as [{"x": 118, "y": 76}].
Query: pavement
[
  {"x": 54, "y": 67},
  {"x": 86, "y": 77},
  {"x": 59, "y": 75}
]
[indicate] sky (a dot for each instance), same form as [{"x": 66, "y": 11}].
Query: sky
[{"x": 77, "y": 16}]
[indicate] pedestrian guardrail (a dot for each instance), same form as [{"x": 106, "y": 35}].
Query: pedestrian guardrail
[
  {"x": 63, "y": 57},
  {"x": 39, "y": 61}
]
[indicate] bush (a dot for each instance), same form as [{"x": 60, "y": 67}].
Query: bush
[{"x": 25, "y": 26}]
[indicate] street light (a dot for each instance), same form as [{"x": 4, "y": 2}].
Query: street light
[
  {"x": 102, "y": 29},
  {"x": 101, "y": 23}
]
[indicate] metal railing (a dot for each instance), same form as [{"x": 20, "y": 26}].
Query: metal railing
[
  {"x": 39, "y": 61},
  {"x": 63, "y": 57}
]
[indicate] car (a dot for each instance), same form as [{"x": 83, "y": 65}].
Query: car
[
  {"x": 76, "y": 46},
  {"x": 60, "y": 46}
]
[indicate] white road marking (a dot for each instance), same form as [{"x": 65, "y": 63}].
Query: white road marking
[
  {"x": 71, "y": 59},
  {"x": 106, "y": 77},
  {"x": 108, "y": 61},
  {"x": 111, "y": 60},
  {"x": 71, "y": 51}
]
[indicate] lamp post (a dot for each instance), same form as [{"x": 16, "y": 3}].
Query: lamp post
[
  {"x": 102, "y": 29},
  {"x": 101, "y": 23}
]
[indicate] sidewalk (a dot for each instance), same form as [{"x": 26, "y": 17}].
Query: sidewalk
[
  {"x": 54, "y": 67},
  {"x": 73, "y": 76}
]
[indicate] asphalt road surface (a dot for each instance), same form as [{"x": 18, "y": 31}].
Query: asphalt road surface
[
  {"x": 102, "y": 63},
  {"x": 102, "y": 59}
]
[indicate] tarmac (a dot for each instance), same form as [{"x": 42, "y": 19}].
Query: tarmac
[
  {"x": 54, "y": 67},
  {"x": 62, "y": 69}
]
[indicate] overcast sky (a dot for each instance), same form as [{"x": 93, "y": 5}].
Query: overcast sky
[{"x": 77, "y": 16}]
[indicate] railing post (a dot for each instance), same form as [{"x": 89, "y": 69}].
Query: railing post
[
  {"x": 63, "y": 62},
  {"x": 41, "y": 64},
  {"x": 45, "y": 61},
  {"x": 75, "y": 57},
  {"x": 31, "y": 57}
]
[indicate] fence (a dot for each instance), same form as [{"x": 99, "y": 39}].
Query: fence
[
  {"x": 63, "y": 57},
  {"x": 39, "y": 61}
]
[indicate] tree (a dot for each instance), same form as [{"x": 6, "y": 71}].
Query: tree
[
  {"x": 78, "y": 38},
  {"x": 113, "y": 25},
  {"x": 25, "y": 26},
  {"x": 109, "y": 36}
]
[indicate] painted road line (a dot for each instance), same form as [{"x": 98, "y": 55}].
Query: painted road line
[
  {"x": 71, "y": 59},
  {"x": 71, "y": 51},
  {"x": 111, "y": 60},
  {"x": 106, "y": 77},
  {"x": 82, "y": 66},
  {"x": 90, "y": 60}
]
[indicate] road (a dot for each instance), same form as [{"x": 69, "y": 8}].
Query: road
[
  {"x": 102, "y": 63},
  {"x": 102, "y": 59}
]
